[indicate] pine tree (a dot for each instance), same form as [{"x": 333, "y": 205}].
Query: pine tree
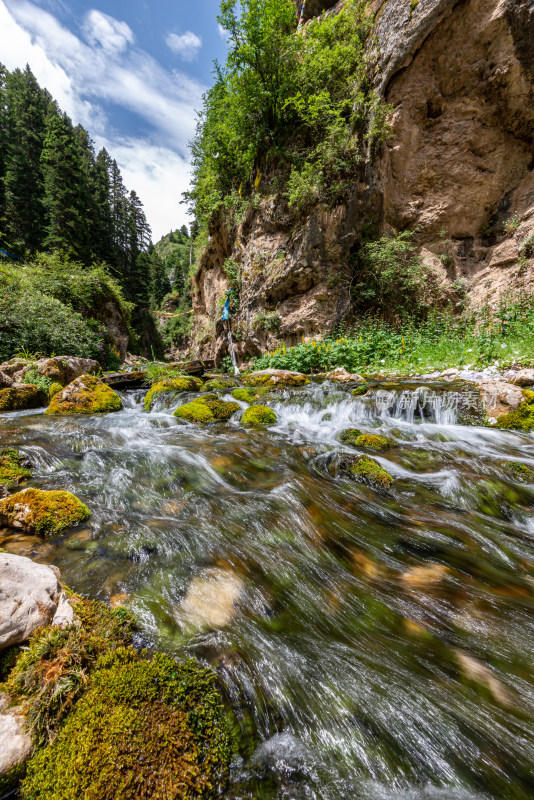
[
  {"x": 27, "y": 106},
  {"x": 3, "y": 141},
  {"x": 101, "y": 223},
  {"x": 65, "y": 188},
  {"x": 159, "y": 280}
]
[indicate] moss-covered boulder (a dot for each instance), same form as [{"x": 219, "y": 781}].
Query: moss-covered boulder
[
  {"x": 14, "y": 467},
  {"x": 350, "y": 436},
  {"x": 367, "y": 470},
  {"x": 22, "y": 397},
  {"x": 37, "y": 511},
  {"x": 185, "y": 383},
  {"x": 276, "y": 377},
  {"x": 519, "y": 471},
  {"x": 144, "y": 729},
  {"x": 258, "y": 415},
  {"x": 85, "y": 395},
  {"x": 220, "y": 383},
  {"x": 207, "y": 408},
  {"x": 374, "y": 442},
  {"x": 54, "y": 389},
  {"x": 522, "y": 419},
  {"x": 246, "y": 395}
]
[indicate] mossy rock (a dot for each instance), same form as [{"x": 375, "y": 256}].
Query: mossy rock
[
  {"x": 258, "y": 415},
  {"x": 208, "y": 408},
  {"x": 374, "y": 442},
  {"x": 143, "y": 729},
  {"x": 37, "y": 511},
  {"x": 367, "y": 470},
  {"x": 519, "y": 471},
  {"x": 21, "y": 398},
  {"x": 359, "y": 390},
  {"x": 350, "y": 436},
  {"x": 245, "y": 395},
  {"x": 49, "y": 674},
  {"x": 54, "y": 389},
  {"x": 270, "y": 378},
  {"x": 14, "y": 467},
  {"x": 521, "y": 420},
  {"x": 85, "y": 395},
  {"x": 220, "y": 383},
  {"x": 186, "y": 383}
]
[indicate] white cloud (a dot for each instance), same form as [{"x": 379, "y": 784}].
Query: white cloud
[
  {"x": 111, "y": 34},
  {"x": 186, "y": 45},
  {"x": 223, "y": 33},
  {"x": 112, "y": 71}
]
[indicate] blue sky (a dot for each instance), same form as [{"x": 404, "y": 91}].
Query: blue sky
[{"x": 132, "y": 72}]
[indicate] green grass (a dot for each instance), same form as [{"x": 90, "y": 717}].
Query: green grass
[{"x": 500, "y": 336}]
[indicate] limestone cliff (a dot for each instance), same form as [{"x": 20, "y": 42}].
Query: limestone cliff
[{"x": 458, "y": 168}]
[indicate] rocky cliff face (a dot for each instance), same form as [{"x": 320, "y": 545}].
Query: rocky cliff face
[{"x": 459, "y": 168}]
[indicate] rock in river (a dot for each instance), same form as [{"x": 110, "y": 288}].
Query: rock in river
[
  {"x": 85, "y": 395},
  {"x": 37, "y": 511}
]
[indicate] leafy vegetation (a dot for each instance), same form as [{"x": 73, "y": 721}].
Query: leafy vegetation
[
  {"x": 503, "y": 334},
  {"x": 300, "y": 106}
]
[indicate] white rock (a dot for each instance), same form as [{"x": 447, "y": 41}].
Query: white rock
[
  {"x": 16, "y": 742},
  {"x": 29, "y": 597},
  {"x": 64, "y": 613},
  {"x": 450, "y": 373},
  {"x": 210, "y": 600},
  {"x": 500, "y": 398},
  {"x": 525, "y": 377},
  {"x": 341, "y": 375}
]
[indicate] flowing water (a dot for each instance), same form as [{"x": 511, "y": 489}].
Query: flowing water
[{"x": 382, "y": 647}]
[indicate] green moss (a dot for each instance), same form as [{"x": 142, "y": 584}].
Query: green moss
[
  {"x": 42, "y": 512},
  {"x": 520, "y": 471},
  {"x": 206, "y": 408},
  {"x": 246, "y": 395},
  {"x": 522, "y": 419},
  {"x": 368, "y": 470},
  {"x": 54, "y": 389},
  {"x": 20, "y": 398},
  {"x": 256, "y": 379},
  {"x": 12, "y": 469},
  {"x": 85, "y": 395},
  {"x": 220, "y": 383},
  {"x": 258, "y": 415},
  {"x": 50, "y": 673},
  {"x": 185, "y": 383},
  {"x": 10, "y": 780},
  {"x": 374, "y": 442},
  {"x": 350, "y": 436},
  {"x": 359, "y": 390},
  {"x": 144, "y": 729}
]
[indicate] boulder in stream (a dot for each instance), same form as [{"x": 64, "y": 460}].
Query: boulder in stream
[
  {"x": 367, "y": 470},
  {"x": 85, "y": 395},
  {"x": 276, "y": 377},
  {"x": 20, "y": 397},
  {"x": 373, "y": 441},
  {"x": 37, "y": 511},
  {"x": 207, "y": 409},
  {"x": 255, "y": 416},
  {"x": 14, "y": 467},
  {"x": 30, "y": 597},
  {"x": 184, "y": 383}
]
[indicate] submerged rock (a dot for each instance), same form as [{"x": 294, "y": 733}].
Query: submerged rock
[
  {"x": 206, "y": 409},
  {"x": 258, "y": 415},
  {"x": 276, "y": 377},
  {"x": 30, "y": 595},
  {"x": 210, "y": 600},
  {"x": 185, "y": 383},
  {"x": 14, "y": 467},
  {"x": 37, "y": 511},
  {"x": 85, "y": 395},
  {"x": 21, "y": 397},
  {"x": 16, "y": 744},
  {"x": 519, "y": 471}
]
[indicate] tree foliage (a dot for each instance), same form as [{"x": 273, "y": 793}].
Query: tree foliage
[{"x": 296, "y": 104}]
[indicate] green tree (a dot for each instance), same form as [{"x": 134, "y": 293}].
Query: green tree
[
  {"x": 27, "y": 107},
  {"x": 65, "y": 186}
]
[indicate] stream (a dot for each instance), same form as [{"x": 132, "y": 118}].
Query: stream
[{"x": 382, "y": 642}]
